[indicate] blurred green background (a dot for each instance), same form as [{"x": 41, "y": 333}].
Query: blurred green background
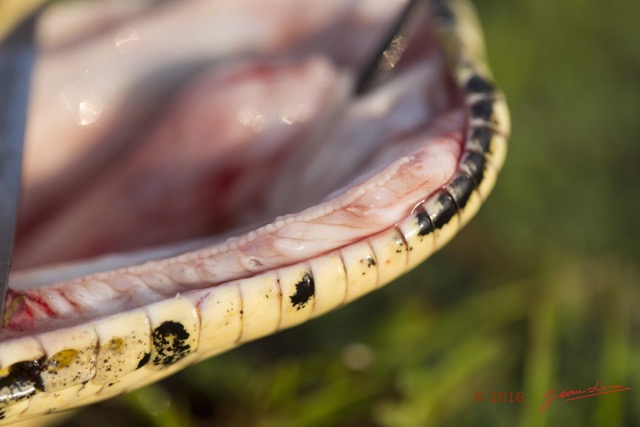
[{"x": 538, "y": 292}]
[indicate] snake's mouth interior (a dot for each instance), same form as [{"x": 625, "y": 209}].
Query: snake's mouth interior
[{"x": 147, "y": 144}]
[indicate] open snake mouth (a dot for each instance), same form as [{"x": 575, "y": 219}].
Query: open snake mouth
[{"x": 188, "y": 157}]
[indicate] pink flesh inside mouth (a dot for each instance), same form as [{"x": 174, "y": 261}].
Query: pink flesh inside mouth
[{"x": 256, "y": 160}]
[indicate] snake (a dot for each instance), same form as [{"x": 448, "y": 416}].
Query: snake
[{"x": 79, "y": 363}]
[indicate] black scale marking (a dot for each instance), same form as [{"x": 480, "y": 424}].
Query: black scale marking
[
  {"x": 370, "y": 261},
  {"x": 170, "y": 342},
  {"x": 23, "y": 381},
  {"x": 443, "y": 12},
  {"x": 305, "y": 289},
  {"x": 478, "y": 85},
  {"x": 424, "y": 223},
  {"x": 474, "y": 163},
  {"x": 445, "y": 212},
  {"x": 145, "y": 359},
  {"x": 460, "y": 189},
  {"x": 483, "y": 110},
  {"x": 480, "y": 139}
]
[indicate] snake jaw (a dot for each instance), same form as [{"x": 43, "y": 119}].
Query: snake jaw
[{"x": 47, "y": 352}]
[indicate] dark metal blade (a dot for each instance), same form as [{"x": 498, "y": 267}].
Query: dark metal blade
[
  {"x": 391, "y": 46},
  {"x": 17, "y": 53}
]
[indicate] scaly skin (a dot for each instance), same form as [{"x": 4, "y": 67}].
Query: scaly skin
[{"x": 91, "y": 361}]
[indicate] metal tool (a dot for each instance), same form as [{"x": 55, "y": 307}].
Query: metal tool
[
  {"x": 17, "y": 53},
  {"x": 390, "y": 49}
]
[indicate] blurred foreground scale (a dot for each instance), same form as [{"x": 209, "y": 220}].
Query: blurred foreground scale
[{"x": 78, "y": 365}]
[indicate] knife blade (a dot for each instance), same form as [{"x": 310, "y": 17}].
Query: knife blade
[{"x": 17, "y": 53}]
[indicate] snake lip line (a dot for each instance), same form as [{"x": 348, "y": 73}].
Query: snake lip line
[{"x": 59, "y": 351}]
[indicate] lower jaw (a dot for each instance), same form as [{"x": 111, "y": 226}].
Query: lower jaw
[
  {"x": 425, "y": 182},
  {"x": 91, "y": 330}
]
